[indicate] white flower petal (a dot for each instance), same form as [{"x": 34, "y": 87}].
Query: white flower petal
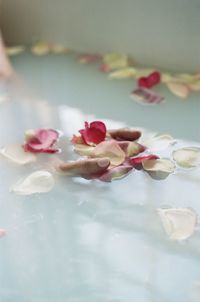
[
  {"x": 187, "y": 157},
  {"x": 179, "y": 223},
  {"x": 15, "y": 50},
  {"x": 37, "y": 182},
  {"x": 160, "y": 142},
  {"x": 16, "y": 153},
  {"x": 159, "y": 165}
]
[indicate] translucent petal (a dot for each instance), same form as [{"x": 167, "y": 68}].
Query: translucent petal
[
  {"x": 179, "y": 89},
  {"x": 115, "y": 60},
  {"x": 187, "y": 157},
  {"x": 160, "y": 142},
  {"x": 123, "y": 73},
  {"x": 40, "y": 48},
  {"x": 146, "y": 96},
  {"x": 37, "y": 182},
  {"x": 111, "y": 150},
  {"x": 83, "y": 150},
  {"x": 16, "y": 153},
  {"x": 179, "y": 223},
  {"x": 116, "y": 173},
  {"x": 15, "y": 50},
  {"x": 160, "y": 165}
]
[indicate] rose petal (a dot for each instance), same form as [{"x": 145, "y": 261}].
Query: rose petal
[
  {"x": 83, "y": 150},
  {"x": 111, "y": 150},
  {"x": 37, "y": 182},
  {"x": 16, "y": 153},
  {"x": 88, "y": 58},
  {"x": 94, "y": 133},
  {"x": 179, "y": 89},
  {"x": 14, "y": 50},
  {"x": 160, "y": 142},
  {"x": 179, "y": 223},
  {"x": 194, "y": 86},
  {"x": 115, "y": 60},
  {"x": 116, "y": 173},
  {"x": 2, "y": 233},
  {"x": 151, "y": 80},
  {"x": 123, "y": 73},
  {"x": 187, "y": 157},
  {"x": 137, "y": 161},
  {"x": 146, "y": 96},
  {"x": 41, "y": 140},
  {"x": 40, "y": 48},
  {"x": 159, "y": 165},
  {"x": 143, "y": 72},
  {"x": 131, "y": 148},
  {"x": 58, "y": 48}
]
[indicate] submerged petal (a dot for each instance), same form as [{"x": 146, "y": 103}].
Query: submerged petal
[
  {"x": 179, "y": 223},
  {"x": 159, "y": 142},
  {"x": 37, "y": 182},
  {"x": 187, "y": 157},
  {"x": 16, "y": 153},
  {"x": 111, "y": 150}
]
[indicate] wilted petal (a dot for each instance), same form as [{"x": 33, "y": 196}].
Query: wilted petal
[
  {"x": 160, "y": 142},
  {"x": 179, "y": 89},
  {"x": 187, "y": 157},
  {"x": 16, "y": 153},
  {"x": 116, "y": 173},
  {"x": 115, "y": 60},
  {"x": 146, "y": 96},
  {"x": 111, "y": 150},
  {"x": 83, "y": 150},
  {"x": 123, "y": 73},
  {"x": 40, "y": 48},
  {"x": 15, "y": 50},
  {"x": 179, "y": 223},
  {"x": 37, "y": 182},
  {"x": 159, "y": 168}
]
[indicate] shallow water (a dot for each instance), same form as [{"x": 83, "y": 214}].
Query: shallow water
[{"x": 87, "y": 240}]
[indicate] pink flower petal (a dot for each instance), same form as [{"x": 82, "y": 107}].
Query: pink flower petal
[
  {"x": 137, "y": 161},
  {"x": 131, "y": 148},
  {"x": 146, "y": 96},
  {"x": 2, "y": 233},
  {"x": 89, "y": 58},
  {"x": 94, "y": 133},
  {"x": 116, "y": 173},
  {"x": 149, "y": 81},
  {"x": 42, "y": 141},
  {"x": 110, "y": 149}
]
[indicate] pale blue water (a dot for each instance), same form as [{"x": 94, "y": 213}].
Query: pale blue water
[{"x": 91, "y": 241}]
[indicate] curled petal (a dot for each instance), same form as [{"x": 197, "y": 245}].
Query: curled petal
[
  {"x": 123, "y": 73},
  {"x": 111, "y": 150},
  {"x": 16, "y": 154},
  {"x": 124, "y": 134},
  {"x": 131, "y": 148},
  {"x": 41, "y": 140},
  {"x": 179, "y": 89},
  {"x": 37, "y": 182},
  {"x": 115, "y": 60},
  {"x": 116, "y": 173},
  {"x": 159, "y": 168},
  {"x": 151, "y": 80},
  {"x": 137, "y": 161},
  {"x": 94, "y": 133},
  {"x": 159, "y": 142},
  {"x": 187, "y": 157},
  {"x": 179, "y": 223},
  {"x": 146, "y": 96}
]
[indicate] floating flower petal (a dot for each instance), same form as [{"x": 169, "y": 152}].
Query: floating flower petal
[
  {"x": 40, "y": 48},
  {"x": 37, "y": 182},
  {"x": 111, "y": 150},
  {"x": 159, "y": 168},
  {"x": 2, "y": 233},
  {"x": 15, "y": 50},
  {"x": 137, "y": 161},
  {"x": 179, "y": 223},
  {"x": 115, "y": 60},
  {"x": 41, "y": 140},
  {"x": 116, "y": 173},
  {"x": 88, "y": 58},
  {"x": 149, "y": 81},
  {"x": 160, "y": 142},
  {"x": 58, "y": 48},
  {"x": 94, "y": 133},
  {"x": 131, "y": 148},
  {"x": 83, "y": 150},
  {"x": 179, "y": 89},
  {"x": 123, "y": 73},
  {"x": 146, "y": 96},
  {"x": 187, "y": 157},
  {"x": 16, "y": 153}
]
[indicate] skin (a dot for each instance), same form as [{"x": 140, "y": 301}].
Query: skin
[{"x": 89, "y": 166}]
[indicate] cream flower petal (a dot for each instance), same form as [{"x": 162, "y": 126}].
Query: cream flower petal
[
  {"x": 179, "y": 223},
  {"x": 179, "y": 89},
  {"x": 40, "y": 48},
  {"x": 37, "y": 182},
  {"x": 115, "y": 60},
  {"x": 83, "y": 150},
  {"x": 111, "y": 150},
  {"x": 16, "y": 153},
  {"x": 15, "y": 50},
  {"x": 187, "y": 157},
  {"x": 159, "y": 165},
  {"x": 159, "y": 142},
  {"x": 123, "y": 73}
]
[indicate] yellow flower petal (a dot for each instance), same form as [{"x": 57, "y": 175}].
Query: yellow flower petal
[
  {"x": 40, "y": 48},
  {"x": 115, "y": 60},
  {"x": 187, "y": 157},
  {"x": 15, "y": 50},
  {"x": 123, "y": 73},
  {"x": 179, "y": 89}
]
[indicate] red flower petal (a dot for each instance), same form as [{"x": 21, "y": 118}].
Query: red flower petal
[
  {"x": 148, "y": 82},
  {"x": 94, "y": 133},
  {"x": 42, "y": 141},
  {"x": 137, "y": 161},
  {"x": 104, "y": 68}
]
